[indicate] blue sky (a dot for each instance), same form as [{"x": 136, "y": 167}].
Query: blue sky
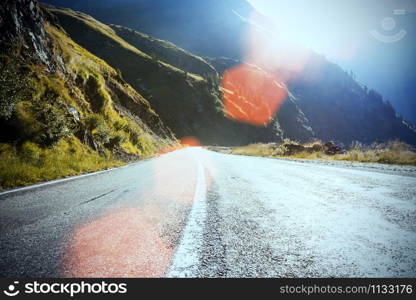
[
  {"x": 342, "y": 31},
  {"x": 333, "y": 28}
]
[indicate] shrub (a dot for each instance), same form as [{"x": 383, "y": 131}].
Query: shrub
[
  {"x": 394, "y": 152},
  {"x": 54, "y": 124},
  {"x": 102, "y": 134},
  {"x": 121, "y": 125},
  {"x": 97, "y": 95},
  {"x": 115, "y": 141},
  {"x": 30, "y": 152},
  {"x": 42, "y": 122},
  {"x": 93, "y": 121},
  {"x": 14, "y": 86},
  {"x": 134, "y": 138}
]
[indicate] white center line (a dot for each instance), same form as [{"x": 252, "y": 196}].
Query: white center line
[{"x": 186, "y": 260}]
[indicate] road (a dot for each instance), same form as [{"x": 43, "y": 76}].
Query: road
[{"x": 198, "y": 213}]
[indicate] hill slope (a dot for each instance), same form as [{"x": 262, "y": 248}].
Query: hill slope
[{"x": 64, "y": 111}]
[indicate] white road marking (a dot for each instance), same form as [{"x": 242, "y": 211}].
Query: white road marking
[{"x": 186, "y": 260}]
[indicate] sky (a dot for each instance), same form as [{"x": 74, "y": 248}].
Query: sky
[
  {"x": 333, "y": 28},
  {"x": 376, "y": 39}
]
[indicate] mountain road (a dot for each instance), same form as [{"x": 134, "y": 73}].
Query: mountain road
[{"x": 199, "y": 213}]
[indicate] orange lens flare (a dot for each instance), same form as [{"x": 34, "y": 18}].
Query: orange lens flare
[
  {"x": 251, "y": 95},
  {"x": 254, "y": 91},
  {"x": 190, "y": 141},
  {"x": 122, "y": 244}
]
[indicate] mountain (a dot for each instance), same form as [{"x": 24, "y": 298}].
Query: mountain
[
  {"x": 217, "y": 28},
  {"x": 389, "y": 67},
  {"x": 334, "y": 106}
]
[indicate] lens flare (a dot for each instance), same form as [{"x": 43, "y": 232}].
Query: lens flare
[
  {"x": 251, "y": 95},
  {"x": 254, "y": 90},
  {"x": 121, "y": 244},
  {"x": 190, "y": 141}
]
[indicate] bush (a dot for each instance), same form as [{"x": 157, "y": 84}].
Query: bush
[
  {"x": 30, "y": 152},
  {"x": 54, "y": 124},
  {"x": 14, "y": 86},
  {"x": 121, "y": 125},
  {"x": 97, "y": 95},
  {"x": 93, "y": 121},
  {"x": 102, "y": 134},
  {"x": 115, "y": 141},
  {"x": 134, "y": 137}
]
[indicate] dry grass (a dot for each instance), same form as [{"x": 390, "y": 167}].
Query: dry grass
[
  {"x": 394, "y": 152},
  {"x": 30, "y": 163},
  {"x": 264, "y": 150}
]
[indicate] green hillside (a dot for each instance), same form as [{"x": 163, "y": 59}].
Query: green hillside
[{"x": 65, "y": 111}]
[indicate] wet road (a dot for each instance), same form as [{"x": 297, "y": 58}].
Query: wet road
[{"x": 197, "y": 213}]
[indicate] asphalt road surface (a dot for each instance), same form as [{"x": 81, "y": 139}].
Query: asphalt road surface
[{"x": 197, "y": 213}]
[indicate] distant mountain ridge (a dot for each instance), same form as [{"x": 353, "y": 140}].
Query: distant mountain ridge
[
  {"x": 335, "y": 106},
  {"x": 184, "y": 88},
  {"x": 197, "y": 26}
]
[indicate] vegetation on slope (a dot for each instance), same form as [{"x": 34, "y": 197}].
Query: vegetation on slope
[
  {"x": 394, "y": 152},
  {"x": 70, "y": 115},
  {"x": 187, "y": 104}
]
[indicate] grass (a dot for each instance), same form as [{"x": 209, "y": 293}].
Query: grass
[
  {"x": 29, "y": 163},
  {"x": 394, "y": 152}
]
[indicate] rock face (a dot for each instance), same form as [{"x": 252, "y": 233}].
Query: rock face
[{"x": 21, "y": 22}]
